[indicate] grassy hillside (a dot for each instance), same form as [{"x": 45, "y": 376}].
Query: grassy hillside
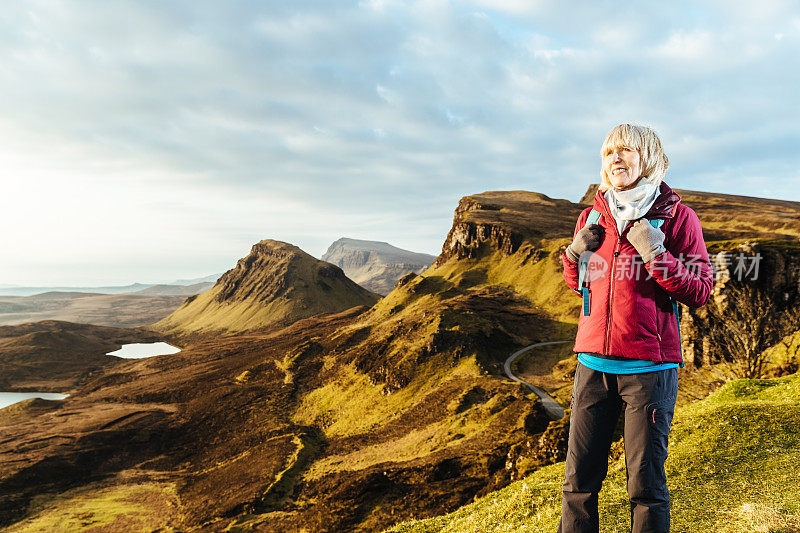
[
  {"x": 733, "y": 467},
  {"x": 533, "y": 272}
]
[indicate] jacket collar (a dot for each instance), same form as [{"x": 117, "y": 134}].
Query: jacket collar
[{"x": 664, "y": 207}]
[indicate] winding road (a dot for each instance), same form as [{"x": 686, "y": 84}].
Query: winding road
[{"x": 551, "y": 407}]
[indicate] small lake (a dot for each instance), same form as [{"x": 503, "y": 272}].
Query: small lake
[
  {"x": 139, "y": 350},
  {"x": 9, "y": 398}
]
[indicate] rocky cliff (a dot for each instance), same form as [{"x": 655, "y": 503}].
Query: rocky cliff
[
  {"x": 503, "y": 220},
  {"x": 754, "y": 304},
  {"x": 375, "y": 265}
]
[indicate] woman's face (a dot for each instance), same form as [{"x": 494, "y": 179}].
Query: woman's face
[{"x": 622, "y": 165}]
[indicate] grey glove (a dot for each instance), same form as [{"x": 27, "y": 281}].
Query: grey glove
[
  {"x": 588, "y": 238},
  {"x": 647, "y": 240}
]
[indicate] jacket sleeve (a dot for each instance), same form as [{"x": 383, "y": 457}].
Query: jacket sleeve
[
  {"x": 570, "y": 266},
  {"x": 683, "y": 270}
]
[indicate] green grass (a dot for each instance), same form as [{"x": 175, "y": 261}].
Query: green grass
[
  {"x": 785, "y": 351},
  {"x": 538, "y": 279},
  {"x": 354, "y": 406},
  {"x": 734, "y": 466},
  {"x": 129, "y": 507}
]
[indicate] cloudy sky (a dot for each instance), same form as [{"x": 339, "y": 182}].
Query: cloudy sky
[{"x": 147, "y": 141}]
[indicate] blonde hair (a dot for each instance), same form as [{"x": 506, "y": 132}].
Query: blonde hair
[{"x": 654, "y": 161}]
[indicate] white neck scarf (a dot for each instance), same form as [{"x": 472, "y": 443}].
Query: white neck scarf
[{"x": 631, "y": 204}]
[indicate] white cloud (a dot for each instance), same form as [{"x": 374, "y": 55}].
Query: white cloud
[
  {"x": 173, "y": 136},
  {"x": 684, "y": 46},
  {"x": 387, "y": 95}
]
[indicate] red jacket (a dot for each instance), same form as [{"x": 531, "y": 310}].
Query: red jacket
[{"x": 630, "y": 311}]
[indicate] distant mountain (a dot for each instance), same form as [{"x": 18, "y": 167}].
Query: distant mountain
[
  {"x": 185, "y": 290},
  {"x": 276, "y": 284},
  {"x": 210, "y": 278},
  {"x": 375, "y": 265},
  {"x": 115, "y": 289},
  {"x": 134, "y": 288}
]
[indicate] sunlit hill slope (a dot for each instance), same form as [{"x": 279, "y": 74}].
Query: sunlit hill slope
[{"x": 276, "y": 284}]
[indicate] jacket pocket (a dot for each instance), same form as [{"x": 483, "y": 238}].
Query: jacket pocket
[{"x": 667, "y": 328}]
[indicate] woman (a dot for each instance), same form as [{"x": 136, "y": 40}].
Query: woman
[{"x": 644, "y": 253}]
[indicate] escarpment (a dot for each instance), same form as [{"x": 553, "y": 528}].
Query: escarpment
[{"x": 503, "y": 220}]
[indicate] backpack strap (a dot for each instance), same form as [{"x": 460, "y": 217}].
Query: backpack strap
[
  {"x": 583, "y": 265},
  {"x": 676, "y": 310},
  {"x": 593, "y": 218}
]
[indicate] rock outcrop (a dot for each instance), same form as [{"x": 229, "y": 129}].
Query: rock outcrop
[
  {"x": 503, "y": 220},
  {"x": 757, "y": 288},
  {"x": 375, "y": 265}
]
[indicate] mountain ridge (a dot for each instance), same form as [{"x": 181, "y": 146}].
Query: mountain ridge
[{"x": 375, "y": 265}]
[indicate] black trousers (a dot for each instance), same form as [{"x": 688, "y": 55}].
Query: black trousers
[{"x": 597, "y": 399}]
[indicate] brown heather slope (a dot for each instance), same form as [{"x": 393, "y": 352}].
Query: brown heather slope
[
  {"x": 298, "y": 428},
  {"x": 55, "y": 356},
  {"x": 275, "y": 285}
]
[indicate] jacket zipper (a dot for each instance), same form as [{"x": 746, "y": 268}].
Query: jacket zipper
[
  {"x": 607, "y": 346},
  {"x": 607, "y": 342},
  {"x": 611, "y": 295}
]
